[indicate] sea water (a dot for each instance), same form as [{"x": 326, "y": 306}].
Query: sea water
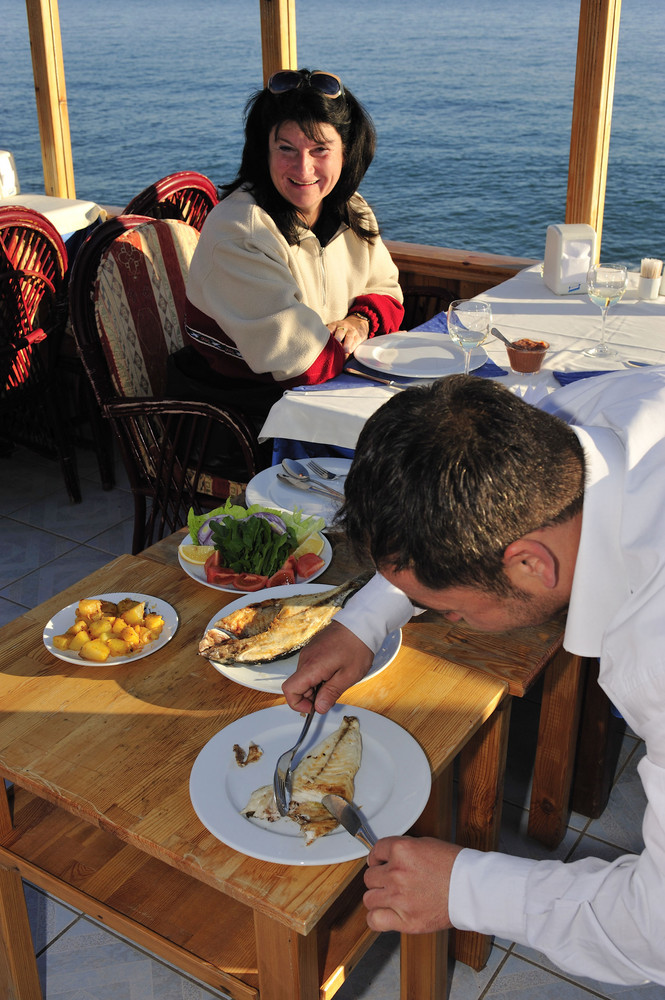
[{"x": 472, "y": 103}]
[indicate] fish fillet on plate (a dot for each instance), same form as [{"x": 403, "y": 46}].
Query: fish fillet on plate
[
  {"x": 275, "y": 628},
  {"x": 329, "y": 768}
]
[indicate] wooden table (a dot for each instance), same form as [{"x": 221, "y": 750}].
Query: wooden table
[
  {"x": 100, "y": 757},
  {"x": 518, "y": 659}
]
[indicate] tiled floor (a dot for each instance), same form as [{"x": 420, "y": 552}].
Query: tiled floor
[{"x": 45, "y": 545}]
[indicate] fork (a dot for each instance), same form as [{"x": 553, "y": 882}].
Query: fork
[
  {"x": 282, "y": 775},
  {"x": 320, "y": 471}
]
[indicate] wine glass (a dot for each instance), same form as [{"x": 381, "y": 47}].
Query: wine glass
[
  {"x": 469, "y": 322},
  {"x": 606, "y": 284}
]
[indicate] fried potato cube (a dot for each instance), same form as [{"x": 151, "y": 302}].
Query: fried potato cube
[
  {"x": 89, "y": 608},
  {"x": 95, "y": 649},
  {"x": 145, "y": 634},
  {"x": 100, "y": 628},
  {"x": 62, "y": 641},
  {"x": 119, "y": 626},
  {"x": 154, "y": 622},
  {"x": 118, "y": 647},
  {"x": 79, "y": 625},
  {"x": 131, "y": 636},
  {"x": 79, "y": 640},
  {"x": 133, "y": 614}
]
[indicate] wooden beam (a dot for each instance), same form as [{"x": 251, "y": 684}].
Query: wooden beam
[
  {"x": 592, "y": 112},
  {"x": 49, "y": 74},
  {"x": 278, "y": 36}
]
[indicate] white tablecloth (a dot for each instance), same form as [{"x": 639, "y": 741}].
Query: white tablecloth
[
  {"x": 523, "y": 306},
  {"x": 68, "y": 215}
]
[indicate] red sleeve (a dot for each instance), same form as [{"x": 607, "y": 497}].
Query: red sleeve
[
  {"x": 383, "y": 312},
  {"x": 329, "y": 363}
]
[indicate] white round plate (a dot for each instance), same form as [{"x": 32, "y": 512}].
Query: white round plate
[
  {"x": 392, "y": 785},
  {"x": 266, "y": 489},
  {"x": 418, "y": 355},
  {"x": 198, "y": 572},
  {"x": 59, "y": 624},
  {"x": 270, "y": 676}
]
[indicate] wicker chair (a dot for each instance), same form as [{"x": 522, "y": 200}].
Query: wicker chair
[
  {"x": 33, "y": 315},
  {"x": 127, "y": 300},
  {"x": 186, "y": 195},
  {"x": 422, "y": 302}
]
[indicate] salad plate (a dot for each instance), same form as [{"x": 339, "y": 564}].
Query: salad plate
[
  {"x": 392, "y": 785},
  {"x": 197, "y": 572},
  {"x": 60, "y": 622},
  {"x": 270, "y": 676}
]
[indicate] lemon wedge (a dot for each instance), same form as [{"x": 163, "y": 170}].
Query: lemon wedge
[
  {"x": 196, "y": 553},
  {"x": 313, "y": 544}
]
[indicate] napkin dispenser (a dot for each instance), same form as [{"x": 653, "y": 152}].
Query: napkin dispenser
[{"x": 570, "y": 251}]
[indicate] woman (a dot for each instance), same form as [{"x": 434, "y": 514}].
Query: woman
[{"x": 290, "y": 274}]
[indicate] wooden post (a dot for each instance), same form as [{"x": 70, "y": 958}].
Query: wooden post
[
  {"x": 278, "y": 36},
  {"x": 592, "y": 112},
  {"x": 49, "y": 73}
]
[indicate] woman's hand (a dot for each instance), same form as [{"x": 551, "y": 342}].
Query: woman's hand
[
  {"x": 350, "y": 332},
  {"x": 335, "y": 657},
  {"x": 408, "y": 882}
]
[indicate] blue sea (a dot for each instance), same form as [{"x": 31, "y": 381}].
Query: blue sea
[{"x": 472, "y": 103}]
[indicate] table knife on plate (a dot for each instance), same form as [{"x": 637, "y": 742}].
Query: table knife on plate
[
  {"x": 350, "y": 818},
  {"x": 324, "y": 491}
]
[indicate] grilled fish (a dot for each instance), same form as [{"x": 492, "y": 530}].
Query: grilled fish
[
  {"x": 275, "y": 628},
  {"x": 329, "y": 768}
]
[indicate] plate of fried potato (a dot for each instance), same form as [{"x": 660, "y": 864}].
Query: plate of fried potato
[{"x": 110, "y": 628}]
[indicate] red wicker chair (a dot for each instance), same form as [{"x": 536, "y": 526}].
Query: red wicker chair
[
  {"x": 127, "y": 300},
  {"x": 33, "y": 316},
  {"x": 186, "y": 195}
]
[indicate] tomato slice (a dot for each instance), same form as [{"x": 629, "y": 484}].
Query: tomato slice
[
  {"x": 309, "y": 564},
  {"x": 290, "y": 565},
  {"x": 220, "y": 576},
  {"x": 211, "y": 561},
  {"x": 282, "y": 578},
  {"x": 250, "y": 581}
]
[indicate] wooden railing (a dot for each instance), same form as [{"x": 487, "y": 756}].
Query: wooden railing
[{"x": 431, "y": 277}]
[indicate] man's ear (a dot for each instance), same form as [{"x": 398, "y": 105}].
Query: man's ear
[{"x": 528, "y": 561}]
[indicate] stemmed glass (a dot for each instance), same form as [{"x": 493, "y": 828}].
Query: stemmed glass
[
  {"x": 606, "y": 284},
  {"x": 469, "y": 322}
]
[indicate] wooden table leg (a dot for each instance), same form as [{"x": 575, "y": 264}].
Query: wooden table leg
[
  {"x": 598, "y": 747},
  {"x": 424, "y": 957},
  {"x": 479, "y": 802},
  {"x": 555, "y": 751},
  {"x": 287, "y": 961},
  {"x": 18, "y": 968}
]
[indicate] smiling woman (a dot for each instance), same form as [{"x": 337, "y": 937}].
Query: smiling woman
[{"x": 290, "y": 274}]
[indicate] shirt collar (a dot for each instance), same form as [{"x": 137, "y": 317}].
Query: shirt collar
[{"x": 599, "y": 586}]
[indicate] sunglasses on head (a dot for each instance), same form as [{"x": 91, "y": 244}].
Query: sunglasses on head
[{"x": 290, "y": 79}]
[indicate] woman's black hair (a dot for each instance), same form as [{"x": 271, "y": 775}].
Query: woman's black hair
[{"x": 309, "y": 109}]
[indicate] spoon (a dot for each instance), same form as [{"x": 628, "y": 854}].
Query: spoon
[
  {"x": 497, "y": 333},
  {"x": 298, "y": 471}
]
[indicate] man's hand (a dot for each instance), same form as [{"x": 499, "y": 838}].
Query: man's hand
[
  {"x": 335, "y": 656},
  {"x": 408, "y": 880}
]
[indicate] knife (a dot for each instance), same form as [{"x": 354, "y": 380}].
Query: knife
[
  {"x": 312, "y": 487},
  {"x": 372, "y": 378},
  {"x": 349, "y": 816}
]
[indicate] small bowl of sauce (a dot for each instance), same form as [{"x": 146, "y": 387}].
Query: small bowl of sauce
[{"x": 526, "y": 356}]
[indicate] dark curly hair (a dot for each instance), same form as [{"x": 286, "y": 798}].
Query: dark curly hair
[
  {"x": 446, "y": 476},
  {"x": 309, "y": 109}
]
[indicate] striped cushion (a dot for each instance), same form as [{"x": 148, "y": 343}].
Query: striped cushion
[{"x": 140, "y": 303}]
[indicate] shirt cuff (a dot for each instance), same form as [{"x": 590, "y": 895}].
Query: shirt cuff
[
  {"x": 376, "y": 610},
  {"x": 488, "y": 893}
]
